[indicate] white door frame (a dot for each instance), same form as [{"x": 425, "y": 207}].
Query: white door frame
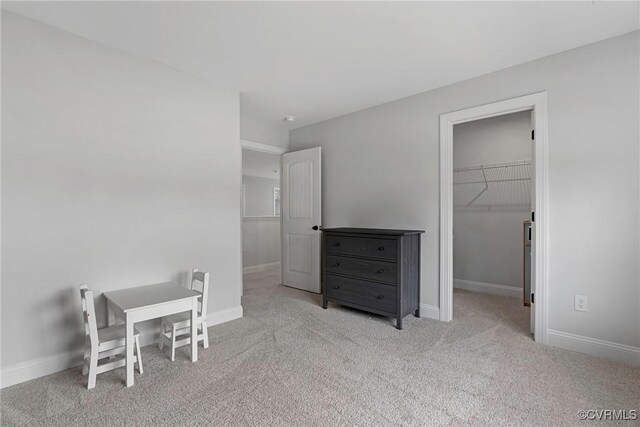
[
  {"x": 264, "y": 148},
  {"x": 536, "y": 102}
]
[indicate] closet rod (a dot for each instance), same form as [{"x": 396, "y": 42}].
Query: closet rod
[
  {"x": 495, "y": 180},
  {"x": 494, "y": 166}
]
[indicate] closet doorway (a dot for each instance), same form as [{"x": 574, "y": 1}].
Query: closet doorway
[
  {"x": 494, "y": 189},
  {"x": 492, "y": 199}
]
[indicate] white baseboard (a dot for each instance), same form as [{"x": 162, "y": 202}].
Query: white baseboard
[
  {"x": 39, "y": 367},
  {"x": 260, "y": 267},
  {"x": 488, "y": 288},
  {"x": 46, "y": 365},
  {"x": 595, "y": 347},
  {"x": 429, "y": 311},
  {"x": 223, "y": 316}
]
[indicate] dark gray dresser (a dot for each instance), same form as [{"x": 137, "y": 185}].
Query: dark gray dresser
[{"x": 375, "y": 270}]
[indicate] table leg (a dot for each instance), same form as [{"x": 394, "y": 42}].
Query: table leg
[
  {"x": 194, "y": 331},
  {"x": 129, "y": 347}
]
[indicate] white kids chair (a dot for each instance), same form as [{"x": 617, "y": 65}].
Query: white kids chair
[
  {"x": 180, "y": 324},
  {"x": 102, "y": 343}
]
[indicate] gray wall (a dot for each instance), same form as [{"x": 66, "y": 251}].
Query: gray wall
[
  {"x": 258, "y": 197},
  {"x": 380, "y": 169},
  {"x": 260, "y": 241},
  {"x": 116, "y": 172},
  {"x": 260, "y": 236},
  {"x": 487, "y": 245},
  {"x": 494, "y": 140},
  {"x": 258, "y": 129}
]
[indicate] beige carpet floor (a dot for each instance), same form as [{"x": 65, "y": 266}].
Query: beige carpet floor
[{"x": 289, "y": 362}]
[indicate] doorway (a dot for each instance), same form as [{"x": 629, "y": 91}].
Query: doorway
[
  {"x": 260, "y": 213},
  {"x": 281, "y": 216},
  {"x": 537, "y": 105},
  {"x": 492, "y": 199}
]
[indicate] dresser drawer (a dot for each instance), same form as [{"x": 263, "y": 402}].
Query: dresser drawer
[
  {"x": 383, "y": 271},
  {"x": 362, "y": 246},
  {"x": 361, "y": 292}
]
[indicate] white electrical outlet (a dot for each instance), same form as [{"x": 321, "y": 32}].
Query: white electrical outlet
[{"x": 580, "y": 303}]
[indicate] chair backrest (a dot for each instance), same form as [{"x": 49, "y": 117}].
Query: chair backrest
[
  {"x": 89, "y": 313},
  {"x": 200, "y": 283}
]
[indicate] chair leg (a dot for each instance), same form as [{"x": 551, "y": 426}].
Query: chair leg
[
  {"x": 93, "y": 369},
  {"x": 173, "y": 343},
  {"x": 86, "y": 359},
  {"x": 205, "y": 334}
]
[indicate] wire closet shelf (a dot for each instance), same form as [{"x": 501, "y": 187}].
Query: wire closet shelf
[{"x": 506, "y": 184}]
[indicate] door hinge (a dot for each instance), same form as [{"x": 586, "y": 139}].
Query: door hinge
[
  {"x": 533, "y": 216},
  {"x": 533, "y": 134},
  {"x": 533, "y": 300}
]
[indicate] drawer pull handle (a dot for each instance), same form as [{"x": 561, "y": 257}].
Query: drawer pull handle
[
  {"x": 337, "y": 264},
  {"x": 381, "y": 248},
  {"x": 381, "y": 297},
  {"x": 380, "y": 271},
  {"x": 336, "y": 244},
  {"x": 336, "y": 287}
]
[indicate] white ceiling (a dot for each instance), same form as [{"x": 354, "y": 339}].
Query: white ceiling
[
  {"x": 259, "y": 164},
  {"x": 318, "y": 60}
]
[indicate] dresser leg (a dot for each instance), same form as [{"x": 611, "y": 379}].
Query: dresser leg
[
  {"x": 399, "y": 323},
  {"x": 324, "y": 303},
  {"x": 417, "y": 313}
]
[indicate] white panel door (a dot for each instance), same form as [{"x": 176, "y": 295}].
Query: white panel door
[{"x": 301, "y": 219}]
